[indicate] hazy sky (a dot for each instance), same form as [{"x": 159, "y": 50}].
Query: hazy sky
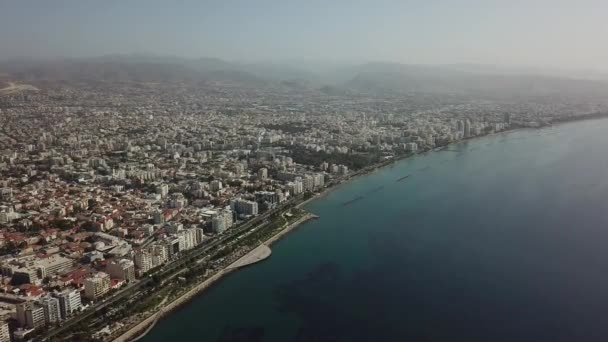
[{"x": 563, "y": 33}]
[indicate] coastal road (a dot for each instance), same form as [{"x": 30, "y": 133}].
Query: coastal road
[{"x": 181, "y": 262}]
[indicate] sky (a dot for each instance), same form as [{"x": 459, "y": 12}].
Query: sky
[{"x": 546, "y": 33}]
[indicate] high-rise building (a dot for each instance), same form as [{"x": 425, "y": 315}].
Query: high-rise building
[
  {"x": 178, "y": 200},
  {"x": 34, "y": 317},
  {"x": 5, "y": 334},
  {"x": 245, "y": 207},
  {"x": 263, "y": 173},
  {"x": 69, "y": 302},
  {"x": 159, "y": 217},
  {"x": 160, "y": 254},
  {"x": 123, "y": 269},
  {"x": 174, "y": 227},
  {"x": 467, "y": 129},
  {"x": 50, "y": 305},
  {"x": 308, "y": 183},
  {"x": 96, "y": 285},
  {"x": 215, "y": 185},
  {"x": 6, "y": 194},
  {"x": 143, "y": 261},
  {"x": 221, "y": 221},
  {"x": 30, "y": 315},
  {"x": 200, "y": 235},
  {"x": 460, "y": 126},
  {"x": 508, "y": 119},
  {"x": 20, "y": 313},
  {"x": 148, "y": 229},
  {"x": 172, "y": 245},
  {"x": 187, "y": 239},
  {"x": 162, "y": 190},
  {"x": 318, "y": 180},
  {"x": 296, "y": 187}
]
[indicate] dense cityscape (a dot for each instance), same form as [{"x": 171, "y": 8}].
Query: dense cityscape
[{"x": 115, "y": 198}]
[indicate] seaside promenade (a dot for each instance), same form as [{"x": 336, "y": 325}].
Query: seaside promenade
[{"x": 257, "y": 254}]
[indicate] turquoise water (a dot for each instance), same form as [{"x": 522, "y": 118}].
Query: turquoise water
[{"x": 498, "y": 239}]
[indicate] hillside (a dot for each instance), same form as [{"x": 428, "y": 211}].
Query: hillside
[{"x": 371, "y": 78}]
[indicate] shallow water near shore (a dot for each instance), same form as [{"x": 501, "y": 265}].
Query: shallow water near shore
[{"x": 498, "y": 239}]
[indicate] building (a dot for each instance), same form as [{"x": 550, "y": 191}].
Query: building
[
  {"x": 467, "y": 129},
  {"x": 148, "y": 229},
  {"x": 296, "y": 187},
  {"x": 173, "y": 227},
  {"x": 25, "y": 275},
  {"x": 6, "y": 194},
  {"x": 178, "y": 200},
  {"x": 215, "y": 185},
  {"x": 30, "y": 315},
  {"x": 5, "y": 334},
  {"x": 272, "y": 197},
  {"x": 52, "y": 265},
  {"x": 172, "y": 245},
  {"x": 460, "y": 126},
  {"x": 263, "y": 173},
  {"x": 245, "y": 207},
  {"x": 411, "y": 147},
  {"x": 159, "y": 217},
  {"x": 94, "y": 255},
  {"x": 69, "y": 302},
  {"x": 200, "y": 235},
  {"x": 162, "y": 190},
  {"x": 123, "y": 269},
  {"x": 308, "y": 183},
  {"x": 186, "y": 240},
  {"x": 34, "y": 316},
  {"x": 20, "y": 313},
  {"x": 159, "y": 253},
  {"x": 96, "y": 285},
  {"x": 23, "y": 270},
  {"x": 221, "y": 221},
  {"x": 286, "y": 176},
  {"x": 143, "y": 261},
  {"x": 50, "y": 305},
  {"x": 319, "y": 180}
]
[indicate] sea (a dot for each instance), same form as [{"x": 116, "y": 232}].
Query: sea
[{"x": 501, "y": 238}]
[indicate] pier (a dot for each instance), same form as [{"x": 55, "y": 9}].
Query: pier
[{"x": 257, "y": 254}]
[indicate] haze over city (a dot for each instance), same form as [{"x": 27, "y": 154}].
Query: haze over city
[
  {"x": 536, "y": 33},
  {"x": 344, "y": 171}
]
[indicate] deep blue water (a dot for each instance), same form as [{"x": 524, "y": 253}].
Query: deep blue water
[{"x": 504, "y": 238}]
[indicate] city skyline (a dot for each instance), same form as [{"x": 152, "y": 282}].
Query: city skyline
[{"x": 148, "y": 150}]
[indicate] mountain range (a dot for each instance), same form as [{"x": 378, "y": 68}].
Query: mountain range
[{"x": 372, "y": 78}]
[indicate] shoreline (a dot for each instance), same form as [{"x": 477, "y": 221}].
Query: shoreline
[
  {"x": 135, "y": 333},
  {"x": 291, "y": 227},
  {"x": 142, "y": 328}
]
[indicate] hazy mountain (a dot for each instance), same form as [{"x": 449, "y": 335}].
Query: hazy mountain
[
  {"x": 370, "y": 78},
  {"x": 398, "y": 78},
  {"x": 131, "y": 68},
  {"x": 281, "y": 72}
]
